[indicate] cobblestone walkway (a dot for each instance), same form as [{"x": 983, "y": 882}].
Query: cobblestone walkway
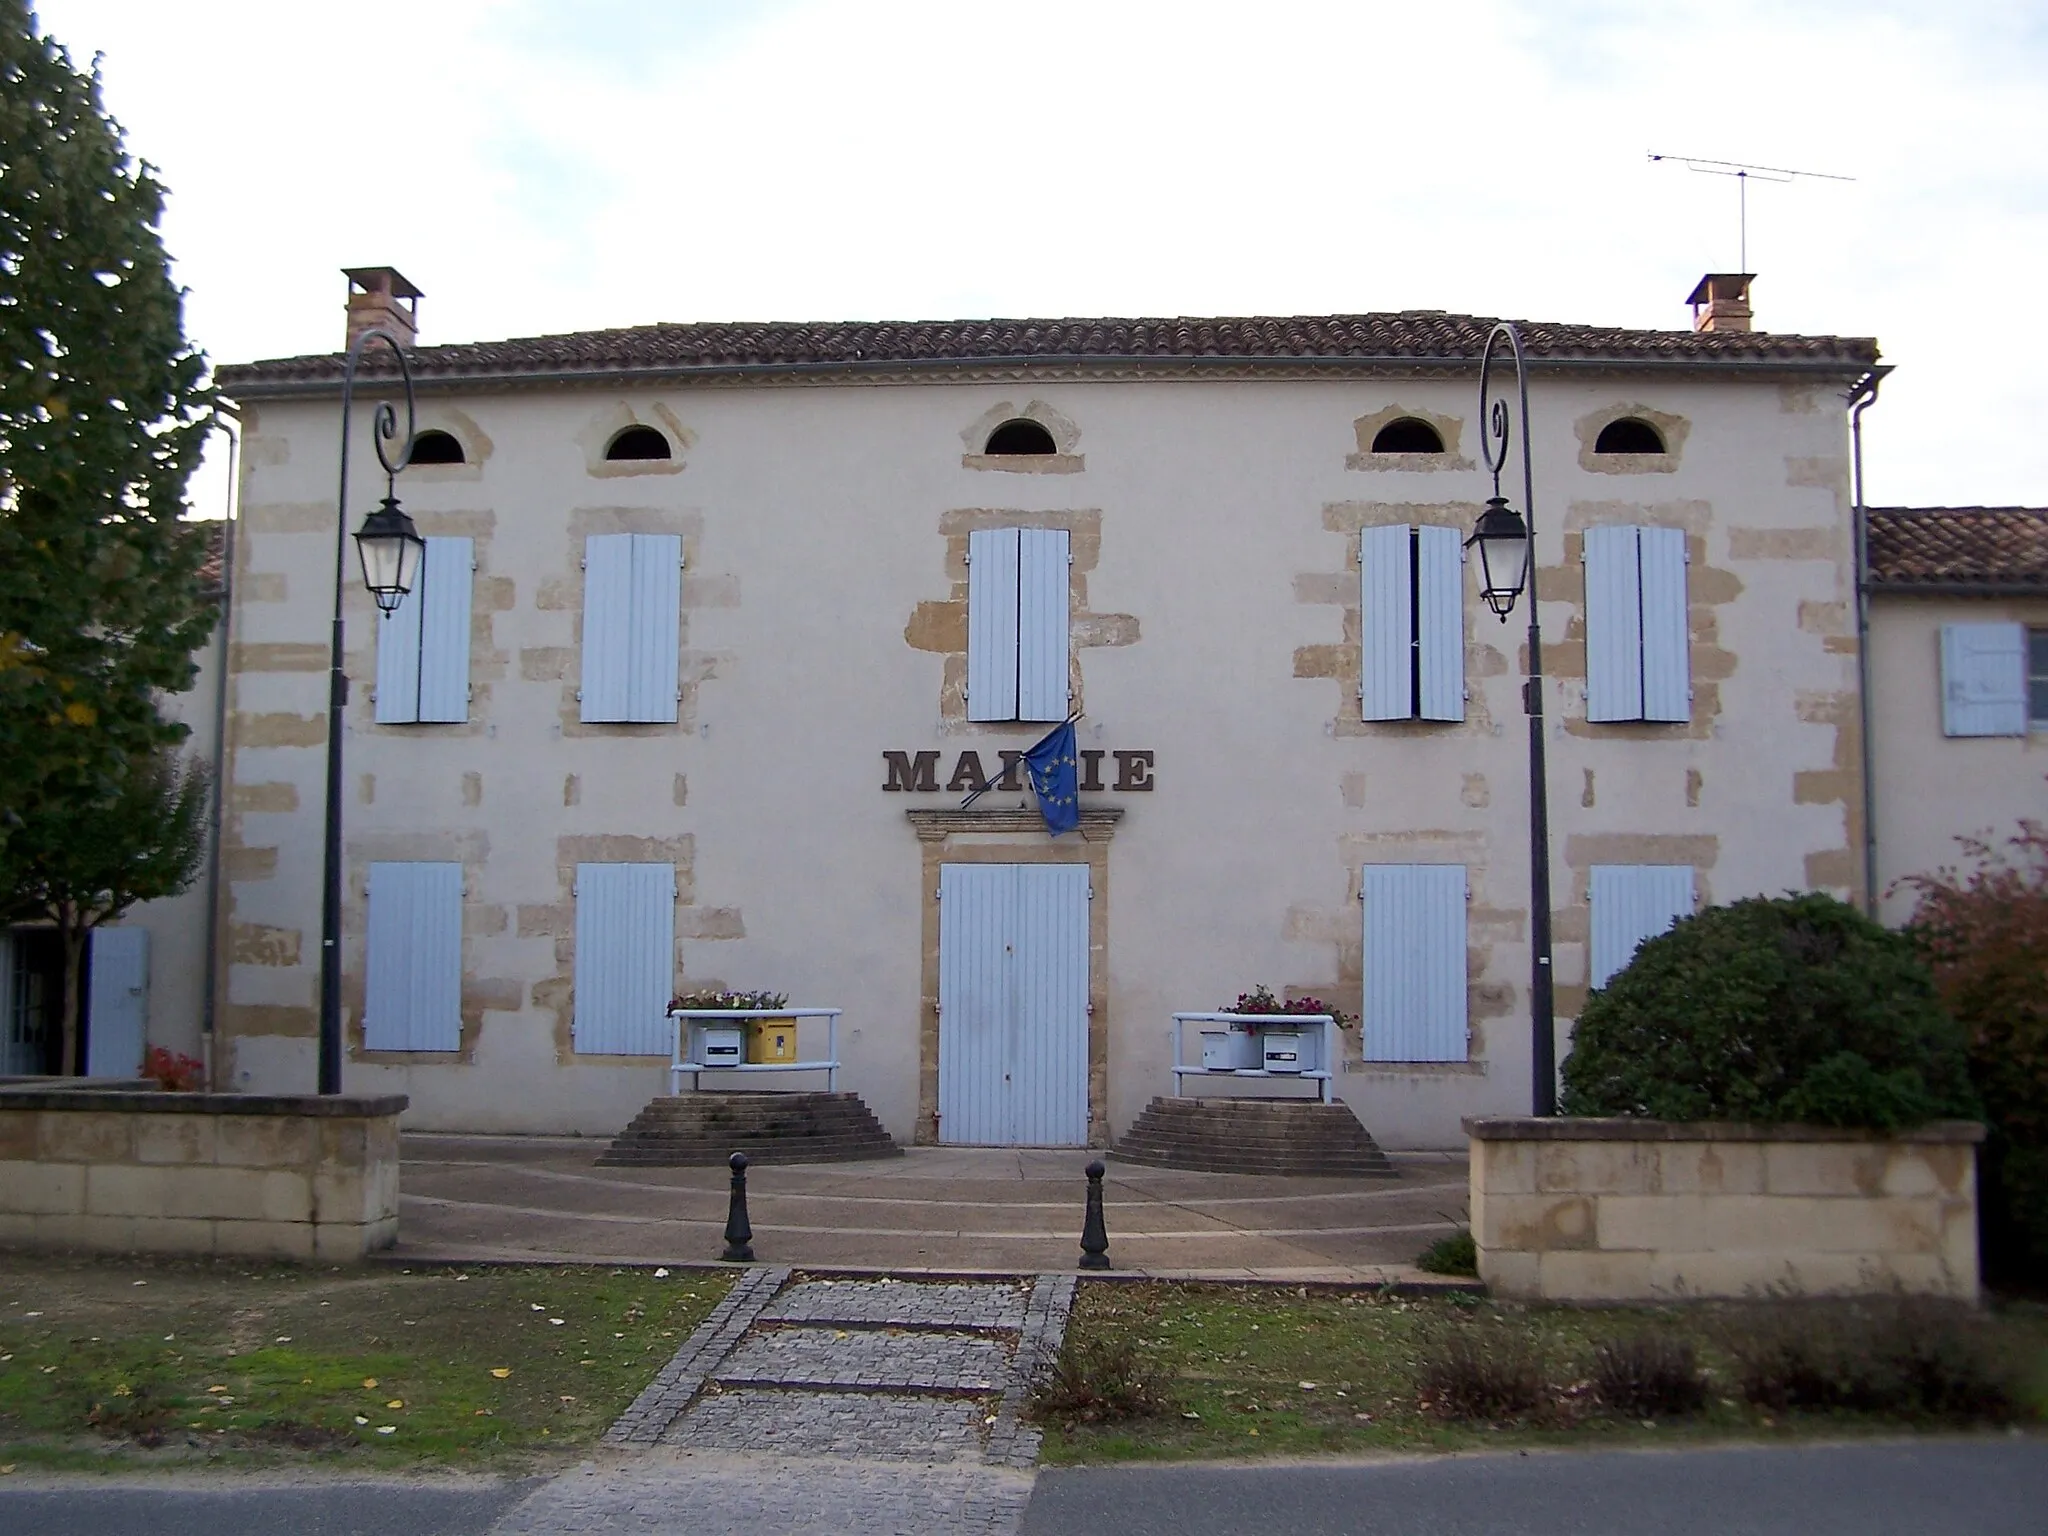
[{"x": 855, "y": 1406}]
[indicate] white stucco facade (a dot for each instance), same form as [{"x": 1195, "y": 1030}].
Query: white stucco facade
[{"x": 1215, "y": 622}]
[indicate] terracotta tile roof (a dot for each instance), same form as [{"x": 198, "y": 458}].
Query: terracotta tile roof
[
  {"x": 1412, "y": 337},
  {"x": 1929, "y": 548}
]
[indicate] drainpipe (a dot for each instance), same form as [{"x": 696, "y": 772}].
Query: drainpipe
[
  {"x": 1861, "y": 398},
  {"x": 220, "y": 746}
]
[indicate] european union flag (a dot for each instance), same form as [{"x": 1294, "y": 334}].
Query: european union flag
[{"x": 1053, "y": 767}]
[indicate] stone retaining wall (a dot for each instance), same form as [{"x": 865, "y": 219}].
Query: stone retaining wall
[
  {"x": 272, "y": 1175},
  {"x": 1630, "y": 1210}
]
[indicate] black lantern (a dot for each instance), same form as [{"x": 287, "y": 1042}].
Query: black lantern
[
  {"x": 391, "y": 548},
  {"x": 1503, "y": 540}
]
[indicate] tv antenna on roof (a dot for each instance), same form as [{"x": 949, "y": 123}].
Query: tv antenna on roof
[{"x": 1742, "y": 174}]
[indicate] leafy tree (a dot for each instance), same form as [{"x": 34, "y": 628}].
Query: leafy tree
[
  {"x": 1794, "y": 1008},
  {"x": 103, "y": 411},
  {"x": 86, "y": 862},
  {"x": 1984, "y": 931}
]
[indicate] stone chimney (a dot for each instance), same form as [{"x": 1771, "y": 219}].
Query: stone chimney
[
  {"x": 381, "y": 298},
  {"x": 1721, "y": 302}
]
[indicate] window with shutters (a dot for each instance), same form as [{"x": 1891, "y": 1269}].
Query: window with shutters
[
  {"x": 1631, "y": 903},
  {"x": 1638, "y": 656},
  {"x": 412, "y": 981},
  {"x": 423, "y": 644},
  {"x": 632, "y": 627},
  {"x": 625, "y": 958},
  {"x": 1017, "y": 624},
  {"x": 1415, "y": 989},
  {"x": 1988, "y": 685},
  {"x": 1411, "y": 603},
  {"x": 2037, "y": 678}
]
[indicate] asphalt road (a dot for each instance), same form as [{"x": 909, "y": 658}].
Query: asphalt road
[
  {"x": 235, "y": 1508},
  {"x": 1920, "y": 1488},
  {"x": 1894, "y": 1488}
]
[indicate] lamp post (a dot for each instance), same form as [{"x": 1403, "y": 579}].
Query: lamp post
[
  {"x": 390, "y": 549},
  {"x": 1507, "y": 563}
]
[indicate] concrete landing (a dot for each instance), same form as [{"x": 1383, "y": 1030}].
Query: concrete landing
[{"x": 966, "y": 1210}]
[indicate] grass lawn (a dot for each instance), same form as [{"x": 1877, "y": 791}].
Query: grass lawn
[
  {"x": 1271, "y": 1372},
  {"x": 134, "y": 1362}
]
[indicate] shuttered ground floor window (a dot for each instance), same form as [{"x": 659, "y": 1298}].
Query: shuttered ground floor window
[
  {"x": 1631, "y": 903},
  {"x": 1415, "y": 986},
  {"x": 412, "y": 984},
  {"x": 625, "y": 958}
]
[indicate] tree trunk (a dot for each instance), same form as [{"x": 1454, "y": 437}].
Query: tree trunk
[{"x": 72, "y": 929}]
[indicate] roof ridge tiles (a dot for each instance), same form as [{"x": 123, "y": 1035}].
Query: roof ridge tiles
[{"x": 710, "y": 346}]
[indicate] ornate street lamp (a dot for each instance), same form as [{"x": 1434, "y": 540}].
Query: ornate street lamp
[
  {"x": 1507, "y": 560},
  {"x": 390, "y": 549}
]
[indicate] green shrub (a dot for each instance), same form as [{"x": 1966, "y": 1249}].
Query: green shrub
[
  {"x": 1457, "y": 1254},
  {"x": 1785, "y": 1009}
]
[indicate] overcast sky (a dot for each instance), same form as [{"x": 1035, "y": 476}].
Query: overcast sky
[{"x": 551, "y": 165}]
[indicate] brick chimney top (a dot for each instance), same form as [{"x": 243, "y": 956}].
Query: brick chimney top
[
  {"x": 380, "y": 297},
  {"x": 1720, "y": 302}
]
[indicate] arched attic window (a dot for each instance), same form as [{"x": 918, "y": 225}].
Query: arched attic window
[
  {"x": 1407, "y": 435},
  {"x": 1631, "y": 434},
  {"x": 638, "y": 443},
  {"x": 436, "y": 447},
  {"x": 1020, "y": 437}
]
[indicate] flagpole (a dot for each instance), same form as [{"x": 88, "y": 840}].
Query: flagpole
[{"x": 989, "y": 784}]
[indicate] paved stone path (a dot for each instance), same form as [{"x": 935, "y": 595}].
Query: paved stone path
[{"x": 855, "y": 1406}]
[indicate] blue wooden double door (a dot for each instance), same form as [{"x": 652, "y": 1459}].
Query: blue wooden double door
[{"x": 1013, "y": 1004}]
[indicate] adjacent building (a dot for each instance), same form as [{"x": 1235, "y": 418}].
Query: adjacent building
[{"x": 1958, "y": 606}]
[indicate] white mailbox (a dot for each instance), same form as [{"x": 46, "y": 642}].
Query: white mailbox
[
  {"x": 1285, "y": 1049},
  {"x": 721, "y": 1045},
  {"x": 1235, "y": 1049}
]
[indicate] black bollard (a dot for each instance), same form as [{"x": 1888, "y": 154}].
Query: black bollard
[
  {"x": 739, "y": 1232},
  {"x": 1094, "y": 1235}
]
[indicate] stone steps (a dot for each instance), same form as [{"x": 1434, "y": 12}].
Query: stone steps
[
  {"x": 695, "y": 1129},
  {"x": 1254, "y": 1136}
]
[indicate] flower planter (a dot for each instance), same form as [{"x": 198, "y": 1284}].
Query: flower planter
[{"x": 1630, "y": 1210}]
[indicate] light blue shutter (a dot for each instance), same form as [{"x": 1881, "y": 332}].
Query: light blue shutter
[
  {"x": 1387, "y": 624},
  {"x": 443, "y": 619},
  {"x": 992, "y": 559},
  {"x": 653, "y": 658},
  {"x": 625, "y": 958},
  {"x": 398, "y": 660},
  {"x": 1440, "y": 622},
  {"x": 1415, "y": 987},
  {"x": 117, "y": 1022},
  {"x": 1983, "y": 680},
  {"x": 1614, "y": 625},
  {"x": 607, "y": 626},
  {"x": 976, "y": 904},
  {"x": 412, "y": 981},
  {"x": 1667, "y": 641},
  {"x": 1631, "y": 903},
  {"x": 1042, "y": 623},
  {"x": 1049, "y": 1033}
]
